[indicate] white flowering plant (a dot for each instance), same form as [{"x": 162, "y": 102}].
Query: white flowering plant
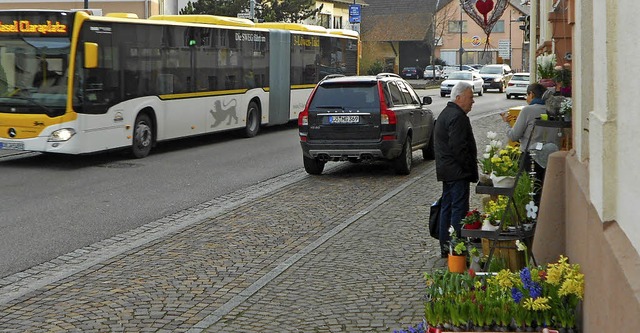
[
  {"x": 492, "y": 149},
  {"x": 545, "y": 65},
  {"x": 565, "y": 107},
  {"x": 498, "y": 159}
]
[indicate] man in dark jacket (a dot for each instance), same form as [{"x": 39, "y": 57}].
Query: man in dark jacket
[{"x": 456, "y": 160}]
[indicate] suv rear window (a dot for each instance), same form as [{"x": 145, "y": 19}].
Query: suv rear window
[{"x": 355, "y": 95}]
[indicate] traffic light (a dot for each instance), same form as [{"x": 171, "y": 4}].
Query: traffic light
[{"x": 525, "y": 26}]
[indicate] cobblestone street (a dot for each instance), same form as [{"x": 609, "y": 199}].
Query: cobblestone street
[{"x": 342, "y": 252}]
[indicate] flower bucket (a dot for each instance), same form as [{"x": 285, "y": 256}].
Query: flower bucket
[
  {"x": 548, "y": 83},
  {"x": 457, "y": 264},
  {"x": 473, "y": 226},
  {"x": 503, "y": 181}
]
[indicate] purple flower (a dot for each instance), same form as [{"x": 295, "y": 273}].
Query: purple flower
[
  {"x": 525, "y": 276},
  {"x": 516, "y": 294},
  {"x": 535, "y": 290}
]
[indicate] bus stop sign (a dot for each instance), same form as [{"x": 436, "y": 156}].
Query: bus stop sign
[{"x": 354, "y": 13}]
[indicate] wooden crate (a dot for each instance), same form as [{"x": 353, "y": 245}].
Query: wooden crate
[{"x": 506, "y": 250}]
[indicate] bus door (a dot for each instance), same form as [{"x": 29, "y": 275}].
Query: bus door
[{"x": 279, "y": 76}]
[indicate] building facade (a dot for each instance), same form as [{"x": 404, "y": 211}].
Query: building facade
[
  {"x": 396, "y": 35},
  {"x": 456, "y": 31},
  {"x": 591, "y": 192}
]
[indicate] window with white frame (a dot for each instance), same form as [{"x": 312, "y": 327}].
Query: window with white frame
[{"x": 337, "y": 22}]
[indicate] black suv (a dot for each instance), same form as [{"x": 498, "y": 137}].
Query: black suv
[{"x": 365, "y": 118}]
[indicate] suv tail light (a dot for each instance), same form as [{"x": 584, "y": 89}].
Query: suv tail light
[
  {"x": 303, "y": 118},
  {"x": 303, "y": 124},
  {"x": 387, "y": 117}
]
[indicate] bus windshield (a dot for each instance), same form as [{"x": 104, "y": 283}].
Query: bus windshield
[{"x": 33, "y": 74}]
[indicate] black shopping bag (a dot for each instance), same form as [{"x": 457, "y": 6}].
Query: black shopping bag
[{"x": 434, "y": 219}]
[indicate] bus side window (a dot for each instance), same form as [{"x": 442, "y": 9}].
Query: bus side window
[
  {"x": 165, "y": 84},
  {"x": 213, "y": 82},
  {"x": 230, "y": 82}
]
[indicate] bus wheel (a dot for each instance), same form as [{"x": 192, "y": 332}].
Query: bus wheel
[
  {"x": 253, "y": 120},
  {"x": 142, "y": 136}
]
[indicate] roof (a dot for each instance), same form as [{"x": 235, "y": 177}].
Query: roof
[
  {"x": 349, "y": 2},
  {"x": 386, "y": 7},
  {"x": 377, "y": 28}
]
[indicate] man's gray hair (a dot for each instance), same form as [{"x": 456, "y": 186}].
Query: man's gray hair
[{"x": 460, "y": 88}]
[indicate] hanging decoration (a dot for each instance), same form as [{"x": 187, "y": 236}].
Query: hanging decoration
[{"x": 485, "y": 12}]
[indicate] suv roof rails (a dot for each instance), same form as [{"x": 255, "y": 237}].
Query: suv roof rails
[
  {"x": 387, "y": 75},
  {"x": 331, "y": 76}
]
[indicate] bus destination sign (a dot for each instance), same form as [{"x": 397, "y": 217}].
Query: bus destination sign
[{"x": 28, "y": 27}]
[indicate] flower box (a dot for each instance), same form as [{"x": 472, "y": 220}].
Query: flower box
[{"x": 533, "y": 298}]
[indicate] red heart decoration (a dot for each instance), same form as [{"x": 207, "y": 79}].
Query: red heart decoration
[{"x": 484, "y": 7}]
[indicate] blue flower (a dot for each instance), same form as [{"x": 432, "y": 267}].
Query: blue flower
[
  {"x": 525, "y": 276},
  {"x": 535, "y": 290},
  {"x": 516, "y": 294},
  {"x": 418, "y": 329}
]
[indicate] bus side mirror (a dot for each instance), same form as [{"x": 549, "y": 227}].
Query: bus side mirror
[{"x": 90, "y": 55}]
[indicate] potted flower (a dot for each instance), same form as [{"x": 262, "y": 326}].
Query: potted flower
[
  {"x": 505, "y": 166},
  {"x": 499, "y": 162},
  {"x": 457, "y": 260},
  {"x": 545, "y": 66},
  {"x": 491, "y": 150},
  {"x": 473, "y": 220},
  {"x": 562, "y": 76},
  {"x": 565, "y": 109},
  {"x": 494, "y": 210}
]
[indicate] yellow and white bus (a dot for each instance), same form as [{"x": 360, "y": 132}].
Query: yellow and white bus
[{"x": 74, "y": 83}]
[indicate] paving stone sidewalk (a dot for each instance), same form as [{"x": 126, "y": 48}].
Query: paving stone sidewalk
[{"x": 343, "y": 252}]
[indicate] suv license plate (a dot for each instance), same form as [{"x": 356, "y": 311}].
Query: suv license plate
[
  {"x": 344, "y": 119},
  {"x": 12, "y": 145}
]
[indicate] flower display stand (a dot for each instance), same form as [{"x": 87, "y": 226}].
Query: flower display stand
[{"x": 501, "y": 242}]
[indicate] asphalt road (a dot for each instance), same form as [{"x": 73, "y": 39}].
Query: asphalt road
[{"x": 51, "y": 205}]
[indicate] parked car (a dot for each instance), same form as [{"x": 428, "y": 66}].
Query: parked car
[
  {"x": 365, "y": 118},
  {"x": 433, "y": 72},
  {"x": 412, "y": 73},
  {"x": 471, "y": 77},
  {"x": 450, "y": 69},
  {"x": 517, "y": 86},
  {"x": 496, "y": 76}
]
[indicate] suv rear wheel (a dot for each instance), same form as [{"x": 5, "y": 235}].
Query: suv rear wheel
[
  {"x": 403, "y": 161},
  {"x": 313, "y": 166}
]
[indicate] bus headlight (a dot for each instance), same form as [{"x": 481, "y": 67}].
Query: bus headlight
[{"x": 61, "y": 135}]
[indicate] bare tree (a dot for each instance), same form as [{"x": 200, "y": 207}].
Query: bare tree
[{"x": 440, "y": 25}]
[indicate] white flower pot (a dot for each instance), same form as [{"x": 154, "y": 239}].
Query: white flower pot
[
  {"x": 487, "y": 226},
  {"x": 503, "y": 181}
]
